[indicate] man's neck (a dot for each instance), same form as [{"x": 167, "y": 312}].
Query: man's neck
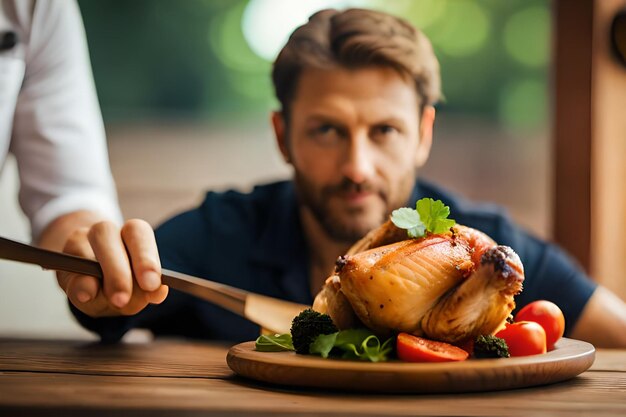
[{"x": 323, "y": 250}]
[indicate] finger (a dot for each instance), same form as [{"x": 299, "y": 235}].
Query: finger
[
  {"x": 63, "y": 278},
  {"x": 77, "y": 244},
  {"x": 82, "y": 288},
  {"x": 158, "y": 296},
  {"x": 106, "y": 241},
  {"x": 139, "y": 300},
  {"x": 142, "y": 248}
]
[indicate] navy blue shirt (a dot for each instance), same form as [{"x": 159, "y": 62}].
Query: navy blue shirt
[{"x": 254, "y": 241}]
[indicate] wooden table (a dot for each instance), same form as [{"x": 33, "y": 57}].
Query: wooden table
[{"x": 183, "y": 378}]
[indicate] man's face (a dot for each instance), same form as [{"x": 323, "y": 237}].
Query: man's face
[{"x": 353, "y": 139}]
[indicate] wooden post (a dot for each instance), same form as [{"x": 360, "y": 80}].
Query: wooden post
[
  {"x": 590, "y": 139},
  {"x": 573, "y": 24},
  {"x": 608, "y": 186}
]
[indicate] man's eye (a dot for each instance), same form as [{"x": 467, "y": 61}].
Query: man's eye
[
  {"x": 386, "y": 129},
  {"x": 326, "y": 134},
  {"x": 383, "y": 132},
  {"x": 326, "y": 130}
]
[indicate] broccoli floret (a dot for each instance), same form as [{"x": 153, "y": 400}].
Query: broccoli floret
[
  {"x": 306, "y": 326},
  {"x": 490, "y": 347}
]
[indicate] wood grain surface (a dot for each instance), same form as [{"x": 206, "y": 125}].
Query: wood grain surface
[
  {"x": 183, "y": 378},
  {"x": 160, "y": 358},
  {"x": 52, "y": 394},
  {"x": 568, "y": 359}
]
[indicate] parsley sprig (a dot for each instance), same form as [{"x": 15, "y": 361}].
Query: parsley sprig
[{"x": 428, "y": 216}]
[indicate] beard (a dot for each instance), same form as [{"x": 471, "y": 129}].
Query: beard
[{"x": 348, "y": 224}]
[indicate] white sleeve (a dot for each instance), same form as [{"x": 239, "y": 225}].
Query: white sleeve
[{"x": 58, "y": 136}]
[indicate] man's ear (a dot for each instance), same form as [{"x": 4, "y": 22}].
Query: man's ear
[
  {"x": 426, "y": 136},
  {"x": 280, "y": 127}
]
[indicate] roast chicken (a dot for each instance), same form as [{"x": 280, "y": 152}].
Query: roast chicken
[{"x": 449, "y": 287}]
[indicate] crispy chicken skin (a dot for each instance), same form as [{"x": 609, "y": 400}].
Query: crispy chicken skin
[
  {"x": 392, "y": 287},
  {"x": 481, "y": 303},
  {"x": 449, "y": 287},
  {"x": 331, "y": 301}
]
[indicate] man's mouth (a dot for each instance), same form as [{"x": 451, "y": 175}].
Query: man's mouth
[
  {"x": 353, "y": 193},
  {"x": 356, "y": 197}
]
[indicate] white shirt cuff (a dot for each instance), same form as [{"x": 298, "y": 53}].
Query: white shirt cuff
[{"x": 96, "y": 202}]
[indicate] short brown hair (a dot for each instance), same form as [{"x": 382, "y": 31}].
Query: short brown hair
[{"x": 356, "y": 38}]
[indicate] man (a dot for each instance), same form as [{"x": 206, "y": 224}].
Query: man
[{"x": 357, "y": 90}]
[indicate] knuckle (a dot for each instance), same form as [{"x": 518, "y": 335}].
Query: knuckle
[
  {"x": 102, "y": 228},
  {"x": 135, "y": 225},
  {"x": 146, "y": 264},
  {"x": 75, "y": 241}
]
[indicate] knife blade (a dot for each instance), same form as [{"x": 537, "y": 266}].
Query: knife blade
[{"x": 272, "y": 314}]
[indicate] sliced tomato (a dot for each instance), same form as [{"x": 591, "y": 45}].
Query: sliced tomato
[
  {"x": 417, "y": 349},
  {"x": 524, "y": 338},
  {"x": 548, "y": 315}
]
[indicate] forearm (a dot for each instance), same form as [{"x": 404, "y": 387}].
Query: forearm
[
  {"x": 58, "y": 137},
  {"x": 58, "y": 231},
  {"x": 603, "y": 321}
]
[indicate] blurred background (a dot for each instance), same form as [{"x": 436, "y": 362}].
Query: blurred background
[{"x": 185, "y": 93}]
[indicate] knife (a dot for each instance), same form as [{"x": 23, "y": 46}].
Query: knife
[{"x": 272, "y": 314}]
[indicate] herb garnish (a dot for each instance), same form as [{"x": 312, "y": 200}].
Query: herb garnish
[
  {"x": 347, "y": 344},
  {"x": 274, "y": 343},
  {"x": 353, "y": 344},
  {"x": 429, "y": 216}
]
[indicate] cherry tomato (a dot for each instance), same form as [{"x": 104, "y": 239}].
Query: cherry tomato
[
  {"x": 416, "y": 349},
  {"x": 548, "y": 315},
  {"x": 524, "y": 338}
]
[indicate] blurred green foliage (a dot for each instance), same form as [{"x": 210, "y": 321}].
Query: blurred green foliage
[{"x": 191, "y": 58}]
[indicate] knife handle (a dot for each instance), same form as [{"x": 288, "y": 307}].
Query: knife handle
[
  {"x": 21, "y": 252},
  {"x": 269, "y": 313},
  {"x": 230, "y": 298}
]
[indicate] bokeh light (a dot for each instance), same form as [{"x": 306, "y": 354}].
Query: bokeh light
[
  {"x": 215, "y": 56},
  {"x": 425, "y": 13},
  {"x": 228, "y": 42},
  {"x": 523, "y": 103},
  {"x": 527, "y": 36},
  {"x": 267, "y": 24},
  {"x": 247, "y": 73},
  {"x": 459, "y": 28}
]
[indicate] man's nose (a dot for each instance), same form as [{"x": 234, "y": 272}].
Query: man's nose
[{"x": 359, "y": 161}]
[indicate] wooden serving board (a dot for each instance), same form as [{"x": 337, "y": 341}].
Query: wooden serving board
[{"x": 569, "y": 358}]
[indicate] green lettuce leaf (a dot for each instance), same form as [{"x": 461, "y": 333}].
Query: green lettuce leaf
[
  {"x": 323, "y": 344},
  {"x": 274, "y": 343},
  {"x": 358, "y": 344}
]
